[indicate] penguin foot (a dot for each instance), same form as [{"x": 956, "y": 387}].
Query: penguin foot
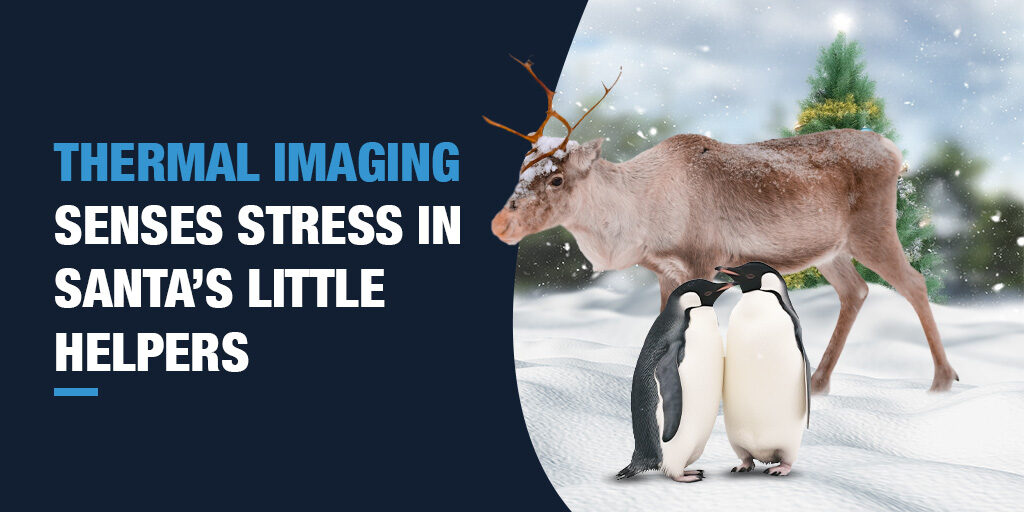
[
  {"x": 745, "y": 467},
  {"x": 780, "y": 470},
  {"x": 692, "y": 472},
  {"x": 688, "y": 478},
  {"x": 943, "y": 380}
]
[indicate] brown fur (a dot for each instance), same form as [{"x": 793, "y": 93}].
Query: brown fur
[{"x": 691, "y": 203}]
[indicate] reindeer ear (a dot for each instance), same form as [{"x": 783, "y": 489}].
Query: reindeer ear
[
  {"x": 588, "y": 152},
  {"x": 594, "y": 146}
]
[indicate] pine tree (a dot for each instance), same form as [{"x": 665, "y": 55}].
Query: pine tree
[{"x": 842, "y": 96}]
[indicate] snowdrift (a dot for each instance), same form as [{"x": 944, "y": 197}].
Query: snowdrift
[{"x": 878, "y": 441}]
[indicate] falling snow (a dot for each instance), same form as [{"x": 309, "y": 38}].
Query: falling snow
[{"x": 950, "y": 72}]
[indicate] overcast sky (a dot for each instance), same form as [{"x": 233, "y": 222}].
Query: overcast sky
[{"x": 730, "y": 68}]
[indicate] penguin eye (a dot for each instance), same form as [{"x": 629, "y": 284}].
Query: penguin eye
[
  {"x": 750, "y": 276},
  {"x": 707, "y": 294}
]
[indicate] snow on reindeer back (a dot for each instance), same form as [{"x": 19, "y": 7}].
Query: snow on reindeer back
[{"x": 545, "y": 166}]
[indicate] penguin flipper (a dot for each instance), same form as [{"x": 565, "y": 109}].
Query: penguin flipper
[
  {"x": 671, "y": 389},
  {"x": 807, "y": 385},
  {"x": 798, "y": 331},
  {"x": 787, "y": 305}
]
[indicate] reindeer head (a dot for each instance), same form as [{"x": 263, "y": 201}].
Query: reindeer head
[{"x": 551, "y": 171}]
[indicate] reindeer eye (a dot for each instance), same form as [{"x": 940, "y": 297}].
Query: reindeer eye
[{"x": 557, "y": 182}]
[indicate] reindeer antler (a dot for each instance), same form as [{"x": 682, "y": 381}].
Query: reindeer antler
[{"x": 535, "y": 136}]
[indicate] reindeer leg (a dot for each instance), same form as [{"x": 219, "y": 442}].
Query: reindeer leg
[
  {"x": 852, "y": 291},
  {"x": 674, "y": 272},
  {"x": 887, "y": 259},
  {"x": 667, "y": 284}
]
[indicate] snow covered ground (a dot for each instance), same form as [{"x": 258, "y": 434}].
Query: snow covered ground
[{"x": 879, "y": 441}]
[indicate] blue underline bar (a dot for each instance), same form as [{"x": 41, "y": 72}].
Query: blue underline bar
[{"x": 76, "y": 391}]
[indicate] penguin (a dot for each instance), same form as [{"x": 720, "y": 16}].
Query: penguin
[
  {"x": 767, "y": 388},
  {"x": 677, "y": 384}
]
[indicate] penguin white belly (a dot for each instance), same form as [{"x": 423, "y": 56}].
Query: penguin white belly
[
  {"x": 764, "y": 396},
  {"x": 700, "y": 374}
]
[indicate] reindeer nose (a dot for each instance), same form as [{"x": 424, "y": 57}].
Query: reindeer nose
[{"x": 500, "y": 224}]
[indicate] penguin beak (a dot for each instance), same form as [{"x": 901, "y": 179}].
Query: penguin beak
[
  {"x": 724, "y": 287},
  {"x": 726, "y": 270}
]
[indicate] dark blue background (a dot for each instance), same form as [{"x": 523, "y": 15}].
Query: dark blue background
[{"x": 415, "y": 404}]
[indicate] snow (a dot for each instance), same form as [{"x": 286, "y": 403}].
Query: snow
[
  {"x": 545, "y": 166},
  {"x": 878, "y": 441}
]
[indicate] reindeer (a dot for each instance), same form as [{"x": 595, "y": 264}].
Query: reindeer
[{"x": 692, "y": 203}]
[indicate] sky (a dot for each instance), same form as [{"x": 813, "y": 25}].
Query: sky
[{"x": 736, "y": 70}]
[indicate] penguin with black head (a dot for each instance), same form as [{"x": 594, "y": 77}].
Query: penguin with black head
[
  {"x": 677, "y": 384},
  {"x": 767, "y": 398}
]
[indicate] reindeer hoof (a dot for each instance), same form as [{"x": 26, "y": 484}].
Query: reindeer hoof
[{"x": 943, "y": 380}]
